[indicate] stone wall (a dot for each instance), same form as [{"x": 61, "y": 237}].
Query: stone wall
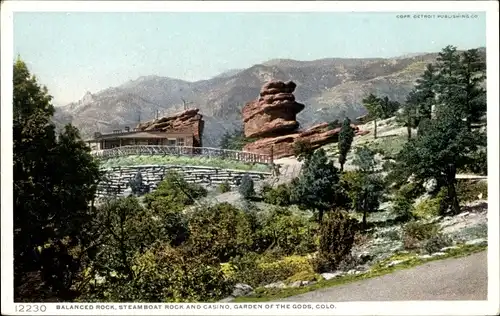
[{"x": 117, "y": 178}]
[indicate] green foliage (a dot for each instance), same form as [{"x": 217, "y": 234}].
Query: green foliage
[
  {"x": 281, "y": 195},
  {"x": 174, "y": 190},
  {"x": 336, "y": 240},
  {"x": 55, "y": 180},
  {"x": 478, "y": 163},
  {"x": 224, "y": 187},
  {"x": 246, "y": 187},
  {"x": 346, "y": 136},
  {"x": 316, "y": 187},
  {"x": 302, "y": 150},
  {"x": 469, "y": 191},
  {"x": 436, "y": 243},
  {"x": 379, "y": 108},
  {"x": 257, "y": 270},
  {"x": 304, "y": 276},
  {"x": 163, "y": 274},
  {"x": 285, "y": 232},
  {"x": 235, "y": 140},
  {"x": 220, "y": 231},
  {"x": 430, "y": 207},
  {"x": 414, "y": 233},
  {"x": 364, "y": 159}
]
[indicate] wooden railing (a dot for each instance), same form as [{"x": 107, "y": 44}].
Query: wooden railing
[{"x": 207, "y": 152}]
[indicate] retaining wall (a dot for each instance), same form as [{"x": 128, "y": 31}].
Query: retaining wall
[{"x": 117, "y": 178}]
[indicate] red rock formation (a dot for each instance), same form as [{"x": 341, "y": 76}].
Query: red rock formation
[
  {"x": 282, "y": 146},
  {"x": 273, "y": 116},
  {"x": 274, "y": 113},
  {"x": 188, "y": 121}
]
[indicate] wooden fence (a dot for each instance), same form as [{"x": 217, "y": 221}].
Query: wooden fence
[{"x": 206, "y": 152}]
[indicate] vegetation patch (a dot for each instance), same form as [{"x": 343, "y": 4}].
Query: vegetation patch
[{"x": 183, "y": 161}]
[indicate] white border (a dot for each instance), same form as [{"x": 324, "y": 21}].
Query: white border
[{"x": 489, "y": 307}]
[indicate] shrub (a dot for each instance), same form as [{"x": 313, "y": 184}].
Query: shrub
[
  {"x": 224, "y": 187},
  {"x": 221, "y": 231},
  {"x": 280, "y": 196},
  {"x": 285, "y": 232},
  {"x": 414, "y": 233},
  {"x": 302, "y": 149},
  {"x": 174, "y": 189},
  {"x": 431, "y": 206},
  {"x": 402, "y": 207},
  {"x": 304, "y": 276},
  {"x": 336, "y": 240},
  {"x": 257, "y": 270},
  {"x": 470, "y": 191},
  {"x": 246, "y": 187},
  {"x": 436, "y": 243},
  {"x": 164, "y": 274}
]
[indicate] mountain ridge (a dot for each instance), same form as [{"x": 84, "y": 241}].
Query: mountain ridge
[{"x": 329, "y": 87}]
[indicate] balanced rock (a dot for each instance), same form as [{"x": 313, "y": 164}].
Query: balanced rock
[{"x": 274, "y": 112}]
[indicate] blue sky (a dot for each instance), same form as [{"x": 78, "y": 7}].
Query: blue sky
[{"x": 72, "y": 53}]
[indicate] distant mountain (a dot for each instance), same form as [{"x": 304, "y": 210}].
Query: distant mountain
[{"x": 328, "y": 88}]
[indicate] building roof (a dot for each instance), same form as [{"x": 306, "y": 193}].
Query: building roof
[{"x": 140, "y": 134}]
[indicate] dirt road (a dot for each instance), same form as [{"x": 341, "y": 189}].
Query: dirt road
[{"x": 451, "y": 279}]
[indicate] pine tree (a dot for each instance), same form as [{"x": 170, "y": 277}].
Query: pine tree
[
  {"x": 316, "y": 187},
  {"x": 346, "y": 136},
  {"x": 372, "y": 104}
]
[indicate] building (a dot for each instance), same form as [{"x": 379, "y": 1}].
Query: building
[{"x": 119, "y": 138}]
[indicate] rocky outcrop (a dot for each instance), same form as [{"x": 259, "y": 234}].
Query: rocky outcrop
[
  {"x": 282, "y": 146},
  {"x": 188, "y": 121},
  {"x": 274, "y": 112},
  {"x": 272, "y": 118}
]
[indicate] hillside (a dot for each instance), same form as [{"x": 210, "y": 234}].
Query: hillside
[{"x": 328, "y": 87}]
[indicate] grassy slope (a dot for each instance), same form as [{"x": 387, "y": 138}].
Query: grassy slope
[{"x": 175, "y": 160}]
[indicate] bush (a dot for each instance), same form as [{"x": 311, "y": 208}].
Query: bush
[
  {"x": 336, "y": 240},
  {"x": 224, "y": 187},
  {"x": 436, "y": 243},
  {"x": 414, "y": 233},
  {"x": 164, "y": 274},
  {"x": 246, "y": 188},
  {"x": 302, "y": 149},
  {"x": 174, "y": 189},
  {"x": 258, "y": 270},
  {"x": 221, "y": 231},
  {"x": 402, "y": 207},
  {"x": 470, "y": 191},
  {"x": 285, "y": 232},
  {"x": 431, "y": 206},
  {"x": 280, "y": 196}
]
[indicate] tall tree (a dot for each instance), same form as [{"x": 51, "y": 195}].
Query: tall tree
[
  {"x": 55, "y": 179},
  {"x": 346, "y": 136},
  {"x": 316, "y": 187},
  {"x": 372, "y": 104},
  {"x": 439, "y": 152},
  {"x": 365, "y": 187},
  {"x": 388, "y": 107},
  {"x": 424, "y": 94},
  {"x": 408, "y": 115},
  {"x": 472, "y": 75}
]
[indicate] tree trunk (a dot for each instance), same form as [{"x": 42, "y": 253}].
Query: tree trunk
[
  {"x": 375, "y": 129},
  {"x": 341, "y": 167},
  {"x": 452, "y": 194},
  {"x": 408, "y": 126},
  {"x": 320, "y": 215},
  {"x": 364, "y": 219}
]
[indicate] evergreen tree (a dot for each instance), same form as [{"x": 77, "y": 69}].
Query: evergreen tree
[
  {"x": 316, "y": 187},
  {"x": 372, "y": 104},
  {"x": 346, "y": 136},
  {"x": 424, "y": 94},
  {"x": 55, "y": 179},
  {"x": 388, "y": 107},
  {"x": 408, "y": 115},
  {"x": 365, "y": 186}
]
